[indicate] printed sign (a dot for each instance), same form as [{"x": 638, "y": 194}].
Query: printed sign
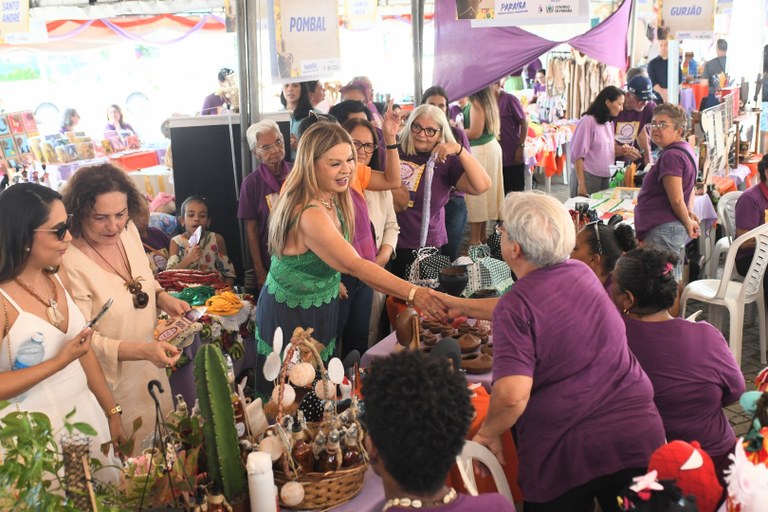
[
  {"x": 305, "y": 40},
  {"x": 14, "y": 17},
  {"x": 496, "y": 13},
  {"x": 688, "y": 19}
]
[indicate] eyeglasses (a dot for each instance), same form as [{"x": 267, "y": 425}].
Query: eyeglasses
[
  {"x": 60, "y": 231},
  {"x": 597, "y": 235},
  {"x": 269, "y": 147},
  {"x": 659, "y": 126},
  {"x": 500, "y": 229},
  {"x": 429, "y": 132},
  {"x": 367, "y": 147}
]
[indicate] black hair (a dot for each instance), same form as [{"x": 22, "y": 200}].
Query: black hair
[
  {"x": 417, "y": 414},
  {"x": 648, "y": 273},
  {"x": 312, "y": 85},
  {"x": 722, "y": 45},
  {"x": 542, "y": 71},
  {"x": 435, "y": 90},
  {"x": 353, "y": 123},
  {"x": 762, "y": 166},
  {"x": 23, "y": 208},
  {"x": 343, "y": 109},
  {"x": 312, "y": 118},
  {"x": 598, "y": 108},
  {"x": 194, "y": 199},
  {"x": 304, "y": 105},
  {"x": 614, "y": 241},
  {"x": 88, "y": 183}
]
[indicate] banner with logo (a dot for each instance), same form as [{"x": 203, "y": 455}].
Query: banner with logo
[
  {"x": 507, "y": 13},
  {"x": 687, "y": 19},
  {"x": 304, "y": 39},
  {"x": 14, "y": 17},
  {"x": 360, "y": 14}
]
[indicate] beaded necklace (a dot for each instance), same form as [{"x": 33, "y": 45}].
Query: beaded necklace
[{"x": 417, "y": 503}]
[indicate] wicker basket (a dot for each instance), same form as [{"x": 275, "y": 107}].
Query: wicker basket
[{"x": 322, "y": 491}]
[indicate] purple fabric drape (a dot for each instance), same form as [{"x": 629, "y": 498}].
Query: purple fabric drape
[{"x": 468, "y": 59}]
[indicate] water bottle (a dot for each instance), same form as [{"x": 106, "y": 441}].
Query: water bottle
[{"x": 31, "y": 353}]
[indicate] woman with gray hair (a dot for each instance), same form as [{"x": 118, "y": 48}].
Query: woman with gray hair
[
  {"x": 664, "y": 213},
  {"x": 563, "y": 375},
  {"x": 259, "y": 191},
  {"x": 69, "y": 119},
  {"x": 427, "y": 133}
]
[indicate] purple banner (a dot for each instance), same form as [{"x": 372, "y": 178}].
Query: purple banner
[{"x": 468, "y": 59}]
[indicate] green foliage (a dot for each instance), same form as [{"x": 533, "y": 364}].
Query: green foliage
[{"x": 221, "y": 442}]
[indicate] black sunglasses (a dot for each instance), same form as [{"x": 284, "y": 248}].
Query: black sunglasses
[{"x": 60, "y": 231}]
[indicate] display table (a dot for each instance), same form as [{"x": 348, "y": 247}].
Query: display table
[
  {"x": 135, "y": 159},
  {"x": 387, "y": 345}
]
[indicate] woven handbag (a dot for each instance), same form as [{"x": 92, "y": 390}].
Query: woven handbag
[
  {"x": 486, "y": 272},
  {"x": 425, "y": 269}
]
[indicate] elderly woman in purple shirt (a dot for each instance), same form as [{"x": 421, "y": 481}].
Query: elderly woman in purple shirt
[
  {"x": 689, "y": 396},
  {"x": 592, "y": 150},
  {"x": 259, "y": 191},
  {"x": 581, "y": 406},
  {"x": 664, "y": 213}
]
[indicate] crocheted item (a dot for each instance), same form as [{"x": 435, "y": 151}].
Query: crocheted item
[{"x": 302, "y": 281}]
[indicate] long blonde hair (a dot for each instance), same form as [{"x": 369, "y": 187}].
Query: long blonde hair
[
  {"x": 300, "y": 187},
  {"x": 486, "y": 99}
]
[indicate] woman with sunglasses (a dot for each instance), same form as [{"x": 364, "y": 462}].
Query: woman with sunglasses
[
  {"x": 693, "y": 372},
  {"x": 106, "y": 261},
  {"x": 664, "y": 213},
  {"x": 599, "y": 246},
  {"x": 34, "y": 235},
  {"x": 428, "y": 133}
]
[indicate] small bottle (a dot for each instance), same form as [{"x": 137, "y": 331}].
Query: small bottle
[
  {"x": 32, "y": 352},
  {"x": 240, "y": 424},
  {"x": 302, "y": 451},
  {"x": 352, "y": 455},
  {"x": 318, "y": 449},
  {"x": 331, "y": 459}
]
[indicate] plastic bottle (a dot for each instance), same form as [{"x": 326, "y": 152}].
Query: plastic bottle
[
  {"x": 261, "y": 482},
  {"x": 31, "y": 353}
]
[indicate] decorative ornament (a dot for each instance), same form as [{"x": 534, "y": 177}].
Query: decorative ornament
[
  {"x": 292, "y": 494},
  {"x": 289, "y": 395},
  {"x": 272, "y": 446},
  {"x": 302, "y": 375},
  {"x": 325, "y": 393}
]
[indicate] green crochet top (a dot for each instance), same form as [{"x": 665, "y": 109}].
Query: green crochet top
[
  {"x": 485, "y": 138},
  {"x": 303, "y": 280}
]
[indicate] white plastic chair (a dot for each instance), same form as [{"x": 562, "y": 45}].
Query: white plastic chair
[
  {"x": 464, "y": 461},
  {"x": 726, "y": 215},
  {"x": 735, "y": 295}
]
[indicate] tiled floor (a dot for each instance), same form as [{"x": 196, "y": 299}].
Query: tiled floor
[{"x": 750, "y": 365}]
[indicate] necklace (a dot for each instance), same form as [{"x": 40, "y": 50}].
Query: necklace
[
  {"x": 328, "y": 205},
  {"x": 417, "y": 503},
  {"x": 51, "y": 305},
  {"x": 140, "y": 298}
]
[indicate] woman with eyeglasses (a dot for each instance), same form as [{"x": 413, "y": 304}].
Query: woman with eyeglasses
[
  {"x": 693, "y": 372},
  {"x": 482, "y": 125},
  {"x": 664, "y": 213},
  {"x": 107, "y": 261},
  {"x": 260, "y": 189},
  {"x": 600, "y": 245},
  {"x": 428, "y": 133},
  {"x": 34, "y": 235},
  {"x": 581, "y": 406}
]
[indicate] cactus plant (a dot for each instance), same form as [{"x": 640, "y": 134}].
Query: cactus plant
[{"x": 221, "y": 442}]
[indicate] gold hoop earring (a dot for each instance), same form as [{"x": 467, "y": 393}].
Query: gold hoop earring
[{"x": 625, "y": 311}]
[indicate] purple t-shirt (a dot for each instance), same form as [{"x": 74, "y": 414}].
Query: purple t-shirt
[
  {"x": 594, "y": 143},
  {"x": 362, "y": 241},
  {"x": 464, "y": 503},
  {"x": 750, "y": 213},
  {"x": 446, "y": 175},
  {"x": 110, "y": 127},
  {"x": 653, "y": 208},
  {"x": 511, "y": 114},
  {"x": 211, "y": 104},
  {"x": 591, "y": 410},
  {"x": 539, "y": 88},
  {"x": 629, "y": 124},
  {"x": 694, "y": 375},
  {"x": 258, "y": 194}
]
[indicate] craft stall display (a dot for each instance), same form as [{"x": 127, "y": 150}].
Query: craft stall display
[
  {"x": 16, "y": 156},
  {"x": 546, "y": 148}
]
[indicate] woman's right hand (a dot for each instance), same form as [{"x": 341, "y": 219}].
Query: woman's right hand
[
  {"x": 76, "y": 347},
  {"x": 161, "y": 353},
  {"x": 429, "y": 302},
  {"x": 693, "y": 229},
  {"x": 581, "y": 189}
]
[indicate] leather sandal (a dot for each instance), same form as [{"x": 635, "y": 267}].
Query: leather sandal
[
  {"x": 468, "y": 343},
  {"x": 475, "y": 364}
]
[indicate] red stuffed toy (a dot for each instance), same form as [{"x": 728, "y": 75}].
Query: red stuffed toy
[{"x": 691, "y": 469}]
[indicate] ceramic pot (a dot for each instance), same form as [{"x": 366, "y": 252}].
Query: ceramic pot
[{"x": 453, "y": 280}]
